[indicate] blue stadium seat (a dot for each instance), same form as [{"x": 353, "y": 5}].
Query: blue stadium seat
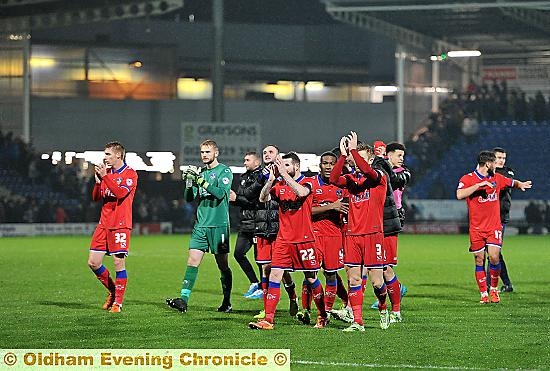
[{"x": 518, "y": 138}]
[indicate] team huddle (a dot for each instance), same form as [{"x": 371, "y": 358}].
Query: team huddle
[{"x": 347, "y": 217}]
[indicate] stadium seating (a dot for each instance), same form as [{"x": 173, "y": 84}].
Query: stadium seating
[
  {"x": 524, "y": 142},
  {"x": 16, "y": 184}
]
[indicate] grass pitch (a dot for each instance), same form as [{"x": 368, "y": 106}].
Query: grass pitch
[{"x": 50, "y": 299}]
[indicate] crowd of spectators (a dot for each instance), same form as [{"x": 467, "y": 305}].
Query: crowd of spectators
[
  {"x": 537, "y": 216},
  {"x": 62, "y": 193},
  {"x": 459, "y": 115},
  {"x": 499, "y": 103}
]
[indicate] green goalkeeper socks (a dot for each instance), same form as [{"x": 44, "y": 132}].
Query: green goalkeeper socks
[{"x": 188, "y": 282}]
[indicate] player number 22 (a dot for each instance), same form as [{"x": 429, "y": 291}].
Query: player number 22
[
  {"x": 307, "y": 254},
  {"x": 120, "y": 238}
]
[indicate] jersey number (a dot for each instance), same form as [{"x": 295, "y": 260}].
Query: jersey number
[
  {"x": 380, "y": 255},
  {"x": 307, "y": 254},
  {"x": 120, "y": 238},
  {"x": 498, "y": 235}
]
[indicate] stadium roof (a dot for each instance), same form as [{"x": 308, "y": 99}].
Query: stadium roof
[{"x": 504, "y": 31}]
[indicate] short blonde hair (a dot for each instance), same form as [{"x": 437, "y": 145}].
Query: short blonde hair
[
  {"x": 210, "y": 143},
  {"x": 117, "y": 147}
]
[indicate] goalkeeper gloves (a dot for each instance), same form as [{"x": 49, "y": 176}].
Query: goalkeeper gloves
[
  {"x": 201, "y": 182},
  {"x": 192, "y": 177}
]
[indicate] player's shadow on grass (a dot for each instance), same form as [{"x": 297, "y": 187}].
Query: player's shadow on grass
[{"x": 68, "y": 305}]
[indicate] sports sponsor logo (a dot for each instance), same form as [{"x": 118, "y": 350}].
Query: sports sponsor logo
[{"x": 491, "y": 197}]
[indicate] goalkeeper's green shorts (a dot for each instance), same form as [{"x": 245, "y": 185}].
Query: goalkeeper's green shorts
[{"x": 210, "y": 239}]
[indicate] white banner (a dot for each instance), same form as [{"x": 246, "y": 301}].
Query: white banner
[
  {"x": 233, "y": 139},
  {"x": 456, "y": 210},
  {"x": 526, "y": 77},
  {"x": 46, "y": 229},
  {"x": 57, "y": 229}
]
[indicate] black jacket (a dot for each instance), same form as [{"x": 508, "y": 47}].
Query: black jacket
[
  {"x": 392, "y": 223},
  {"x": 505, "y": 195},
  {"x": 248, "y": 193},
  {"x": 267, "y": 216}
]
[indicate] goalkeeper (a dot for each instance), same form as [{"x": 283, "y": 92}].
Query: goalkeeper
[{"x": 211, "y": 230}]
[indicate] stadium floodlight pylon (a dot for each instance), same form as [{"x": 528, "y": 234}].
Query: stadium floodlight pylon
[{"x": 134, "y": 9}]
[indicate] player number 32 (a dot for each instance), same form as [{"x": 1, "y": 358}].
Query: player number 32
[{"x": 120, "y": 238}]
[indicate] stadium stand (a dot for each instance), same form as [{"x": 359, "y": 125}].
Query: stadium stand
[{"x": 520, "y": 139}]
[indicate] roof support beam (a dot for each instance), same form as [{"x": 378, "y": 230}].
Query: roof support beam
[
  {"x": 8, "y": 3},
  {"x": 529, "y": 17},
  {"x": 134, "y": 9},
  {"x": 445, "y": 6},
  {"x": 399, "y": 34}
]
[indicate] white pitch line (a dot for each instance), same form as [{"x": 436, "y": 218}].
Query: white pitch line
[{"x": 374, "y": 365}]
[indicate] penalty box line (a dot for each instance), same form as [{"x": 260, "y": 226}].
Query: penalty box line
[{"x": 375, "y": 365}]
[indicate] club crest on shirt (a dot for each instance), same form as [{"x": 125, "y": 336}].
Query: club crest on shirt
[
  {"x": 129, "y": 182},
  {"x": 118, "y": 180},
  {"x": 339, "y": 193},
  {"x": 212, "y": 176}
]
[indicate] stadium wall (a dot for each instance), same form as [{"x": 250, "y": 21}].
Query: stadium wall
[
  {"x": 308, "y": 127},
  {"x": 336, "y": 45},
  {"x": 59, "y": 229}
]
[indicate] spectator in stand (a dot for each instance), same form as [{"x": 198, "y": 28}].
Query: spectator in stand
[
  {"x": 521, "y": 110},
  {"x": 539, "y": 107},
  {"x": 60, "y": 214},
  {"x": 534, "y": 216},
  {"x": 2, "y": 212},
  {"x": 547, "y": 215}
]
